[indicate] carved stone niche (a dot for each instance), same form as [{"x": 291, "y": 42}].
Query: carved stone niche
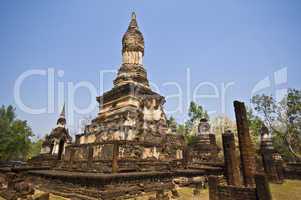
[{"x": 152, "y": 115}]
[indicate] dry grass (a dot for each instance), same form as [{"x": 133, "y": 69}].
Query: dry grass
[
  {"x": 289, "y": 190},
  {"x": 187, "y": 194}
]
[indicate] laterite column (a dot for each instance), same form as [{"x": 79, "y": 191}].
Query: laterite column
[
  {"x": 247, "y": 152},
  {"x": 231, "y": 163}
]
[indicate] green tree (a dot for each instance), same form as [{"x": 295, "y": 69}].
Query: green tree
[
  {"x": 189, "y": 128},
  {"x": 255, "y": 124},
  {"x": 171, "y": 121},
  {"x": 284, "y": 121},
  {"x": 15, "y": 135},
  {"x": 35, "y": 148},
  {"x": 195, "y": 113}
]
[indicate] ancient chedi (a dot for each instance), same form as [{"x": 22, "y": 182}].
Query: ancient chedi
[
  {"x": 271, "y": 159},
  {"x": 205, "y": 148},
  {"x": 58, "y": 139},
  {"x": 131, "y": 105},
  {"x": 53, "y": 147},
  {"x": 130, "y": 132}
]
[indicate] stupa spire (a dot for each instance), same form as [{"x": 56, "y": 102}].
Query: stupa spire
[
  {"x": 133, "y": 23},
  {"x": 63, "y": 112},
  {"x": 131, "y": 70},
  {"x": 133, "y": 43},
  {"x": 62, "y": 120}
]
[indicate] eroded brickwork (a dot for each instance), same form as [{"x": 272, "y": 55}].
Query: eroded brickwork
[
  {"x": 220, "y": 191},
  {"x": 262, "y": 187},
  {"x": 247, "y": 152},
  {"x": 271, "y": 159},
  {"x": 232, "y": 171}
]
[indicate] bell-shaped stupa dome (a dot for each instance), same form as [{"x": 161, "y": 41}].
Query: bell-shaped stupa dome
[{"x": 133, "y": 39}]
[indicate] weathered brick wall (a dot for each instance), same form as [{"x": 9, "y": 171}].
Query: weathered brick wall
[
  {"x": 219, "y": 190},
  {"x": 293, "y": 171},
  {"x": 236, "y": 193}
]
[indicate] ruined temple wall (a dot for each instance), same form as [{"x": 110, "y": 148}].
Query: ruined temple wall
[
  {"x": 122, "y": 102},
  {"x": 218, "y": 190},
  {"x": 85, "y": 139},
  {"x": 236, "y": 193},
  {"x": 204, "y": 150},
  {"x": 131, "y": 157},
  {"x": 293, "y": 171},
  {"x": 129, "y": 135},
  {"x": 88, "y": 152},
  {"x": 96, "y": 152}
]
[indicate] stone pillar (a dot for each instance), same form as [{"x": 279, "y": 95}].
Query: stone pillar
[
  {"x": 10, "y": 179},
  {"x": 280, "y": 169},
  {"x": 232, "y": 171},
  {"x": 272, "y": 166},
  {"x": 262, "y": 187},
  {"x": 247, "y": 152},
  {"x": 115, "y": 158},
  {"x": 269, "y": 165},
  {"x": 186, "y": 156},
  {"x": 213, "y": 187}
]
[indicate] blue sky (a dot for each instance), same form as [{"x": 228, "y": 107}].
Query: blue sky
[{"x": 221, "y": 42}]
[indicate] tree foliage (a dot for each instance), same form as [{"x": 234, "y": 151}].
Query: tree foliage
[
  {"x": 35, "y": 148},
  {"x": 171, "y": 121},
  {"x": 255, "y": 124},
  {"x": 195, "y": 113},
  {"x": 15, "y": 134},
  {"x": 189, "y": 128},
  {"x": 283, "y": 118}
]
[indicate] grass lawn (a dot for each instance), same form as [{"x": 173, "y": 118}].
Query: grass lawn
[
  {"x": 187, "y": 193},
  {"x": 289, "y": 190}
]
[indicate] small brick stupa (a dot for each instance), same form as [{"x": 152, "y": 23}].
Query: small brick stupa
[{"x": 205, "y": 148}]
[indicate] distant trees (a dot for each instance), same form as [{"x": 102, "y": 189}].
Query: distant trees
[
  {"x": 15, "y": 136},
  {"x": 35, "y": 148},
  {"x": 195, "y": 113},
  {"x": 284, "y": 121},
  {"x": 189, "y": 127},
  {"x": 255, "y": 124},
  {"x": 283, "y": 118},
  {"x": 220, "y": 124},
  {"x": 171, "y": 121}
]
